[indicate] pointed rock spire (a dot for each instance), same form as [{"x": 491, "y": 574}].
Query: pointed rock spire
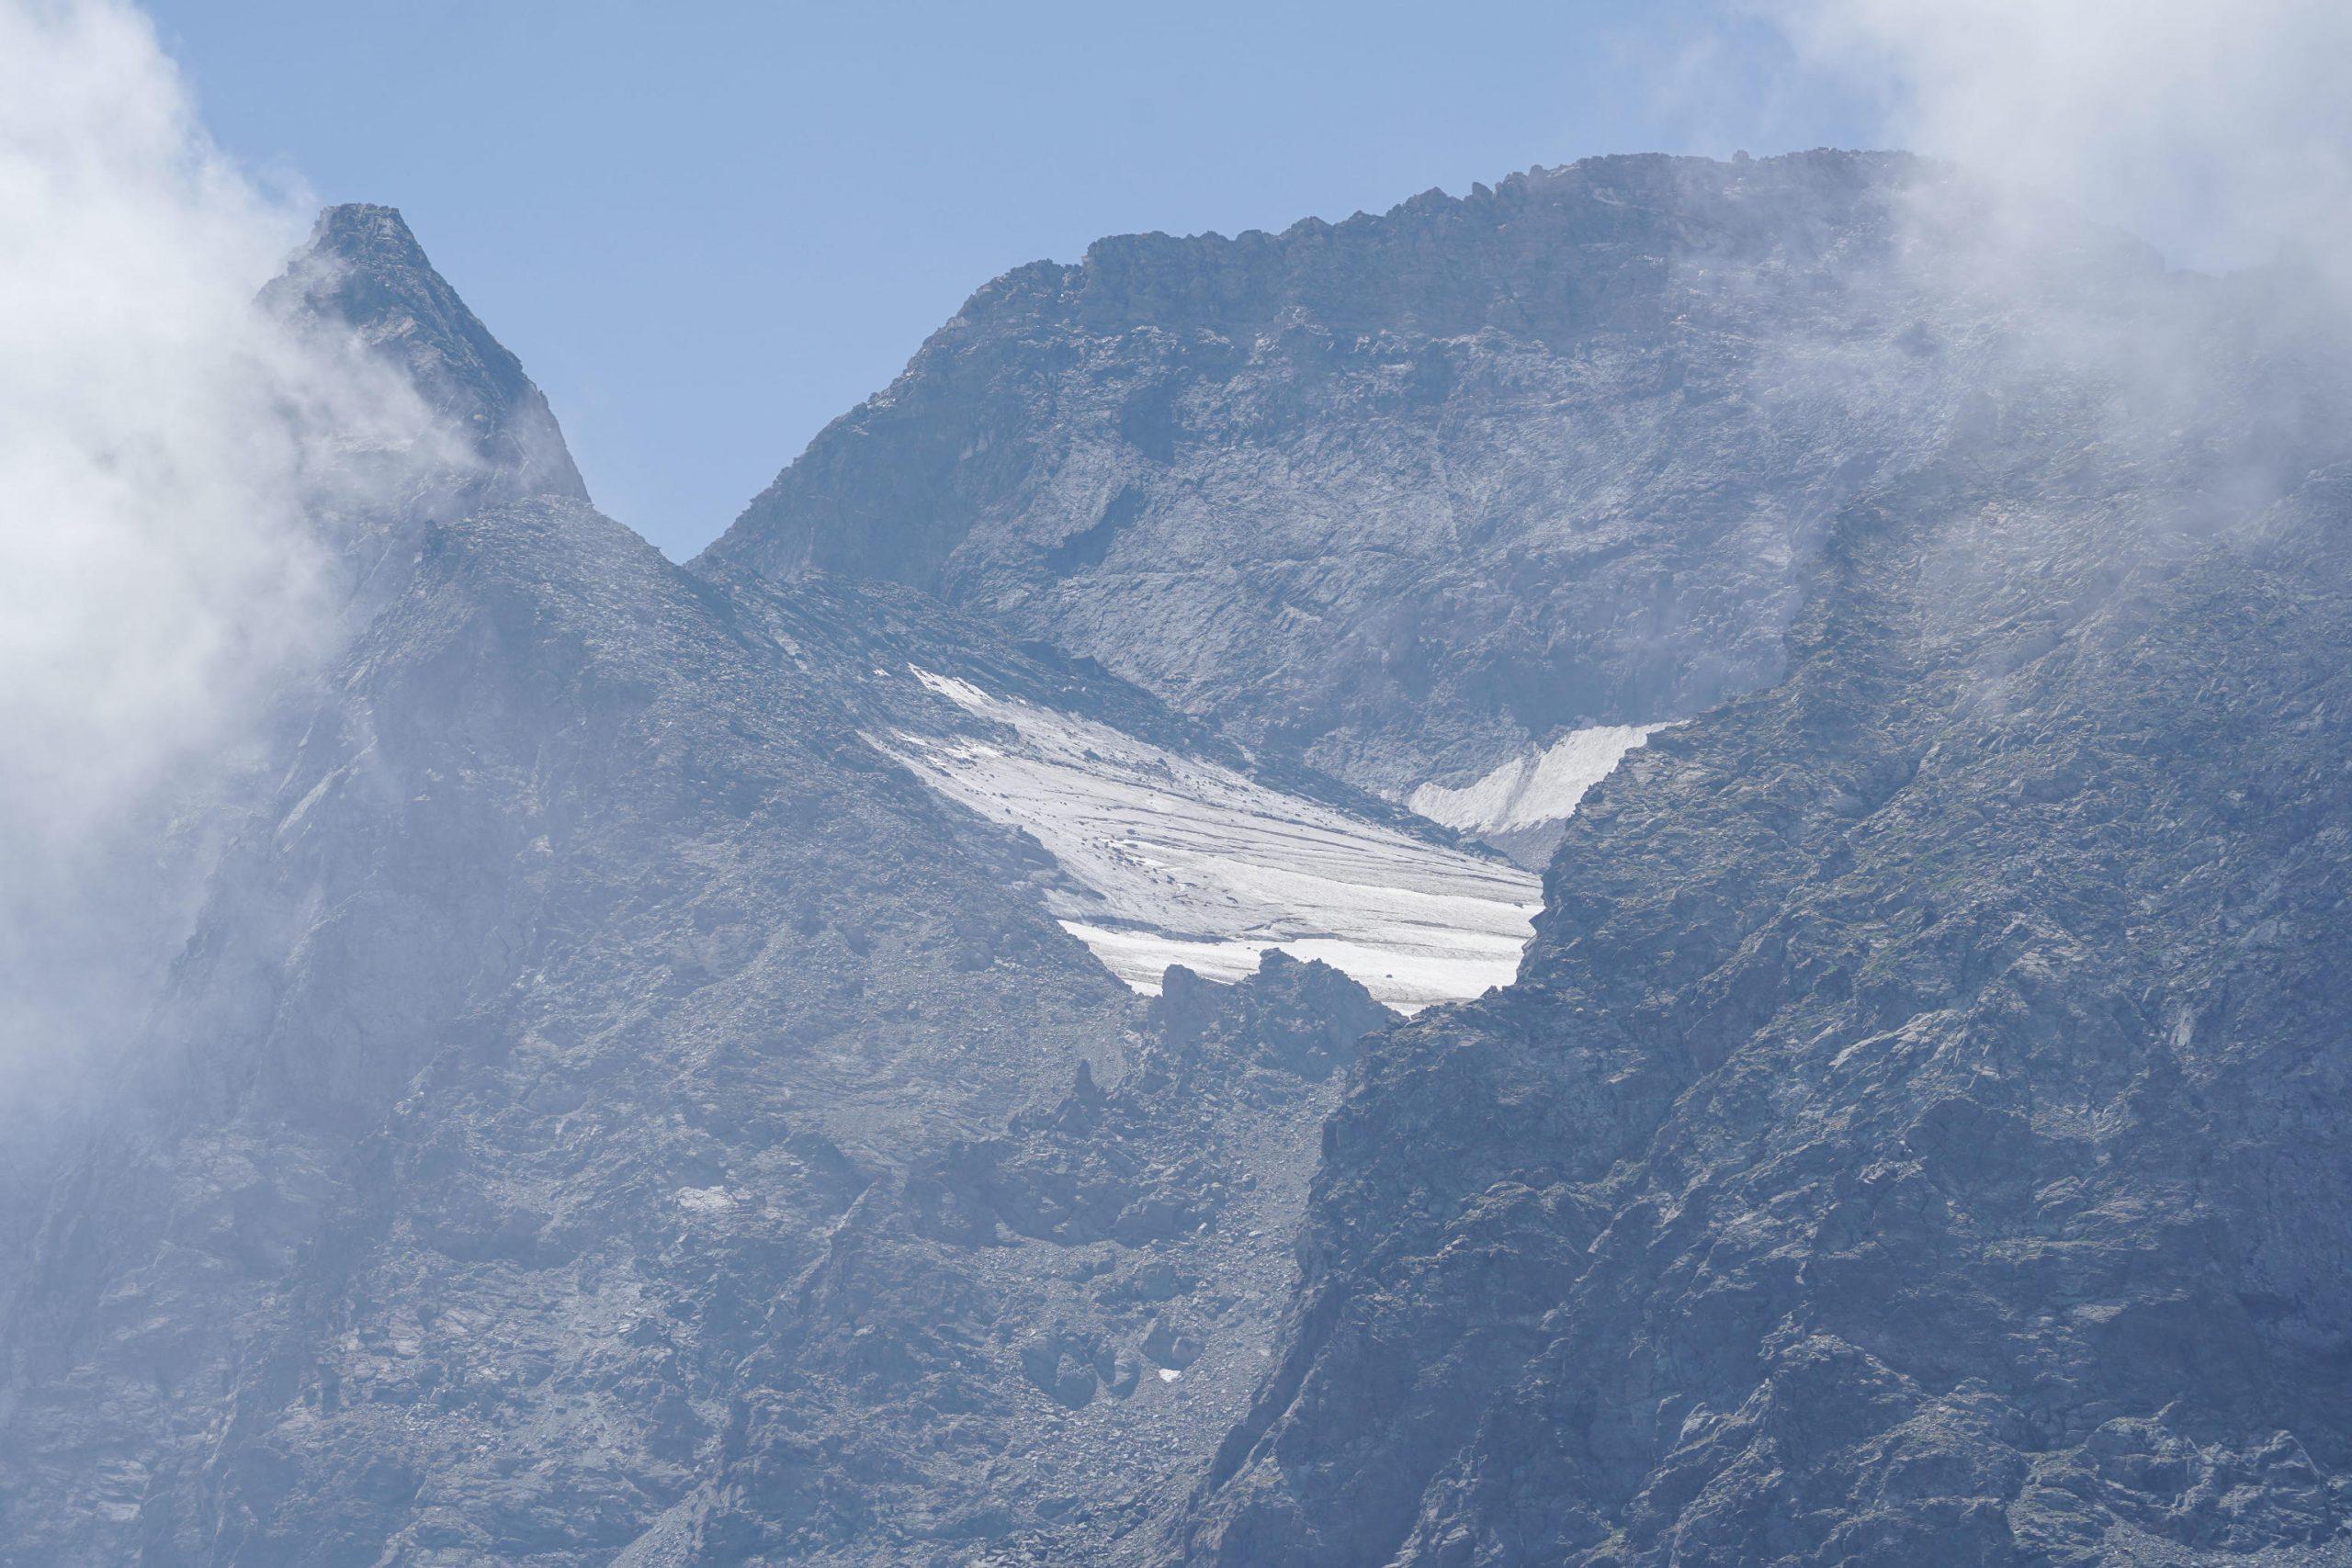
[{"x": 364, "y": 270}]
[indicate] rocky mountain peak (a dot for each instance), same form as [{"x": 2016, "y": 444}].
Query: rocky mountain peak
[
  {"x": 364, "y": 271},
  {"x": 365, "y": 232}
]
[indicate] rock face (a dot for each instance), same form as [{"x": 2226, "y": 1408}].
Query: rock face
[
  {"x": 1411, "y": 493},
  {"x": 1915, "y": 1134}
]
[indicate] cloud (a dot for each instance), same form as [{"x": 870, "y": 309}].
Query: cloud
[
  {"x": 161, "y": 442},
  {"x": 2221, "y": 133}
]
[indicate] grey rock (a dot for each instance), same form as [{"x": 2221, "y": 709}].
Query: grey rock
[{"x": 1913, "y": 1136}]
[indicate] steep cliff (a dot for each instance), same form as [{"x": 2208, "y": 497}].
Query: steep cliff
[{"x": 1916, "y": 1133}]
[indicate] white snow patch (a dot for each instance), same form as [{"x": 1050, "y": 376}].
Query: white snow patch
[
  {"x": 706, "y": 1200},
  {"x": 1181, "y": 861},
  {"x": 966, "y": 696},
  {"x": 1528, "y": 792},
  {"x": 1169, "y": 1374}
]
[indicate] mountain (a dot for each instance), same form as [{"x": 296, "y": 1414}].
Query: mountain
[
  {"x": 889, "y": 1043},
  {"x": 1909, "y": 1137},
  {"x": 92, "y": 927},
  {"x": 609, "y": 1104}
]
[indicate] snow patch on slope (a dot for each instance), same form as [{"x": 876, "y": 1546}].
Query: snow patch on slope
[
  {"x": 1180, "y": 860},
  {"x": 1531, "y": 791}
]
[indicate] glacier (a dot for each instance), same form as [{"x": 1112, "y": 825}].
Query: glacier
[{"x": 1173, "y": 859}]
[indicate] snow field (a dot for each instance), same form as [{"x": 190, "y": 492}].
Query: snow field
[
  {"x": 1174, "y": 860},
  {"x": 1530, "y": 791}
]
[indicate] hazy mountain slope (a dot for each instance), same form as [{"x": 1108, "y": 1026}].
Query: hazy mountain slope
[
  {"x": 1917, "y": 1135},
  {"x": 1018, "y": 1354},
  {"x": 1413, "y": 492},
  {"x": 609, "y": 1107},
  {"x": 91, "y": 944},
  {"x": 564, "y": 876}
]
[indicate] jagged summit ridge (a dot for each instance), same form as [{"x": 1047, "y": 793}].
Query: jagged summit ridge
[{"x": 1415, "y": 495}]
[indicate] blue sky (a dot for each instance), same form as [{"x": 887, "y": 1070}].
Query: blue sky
[{"x": 709, "y": 228}]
